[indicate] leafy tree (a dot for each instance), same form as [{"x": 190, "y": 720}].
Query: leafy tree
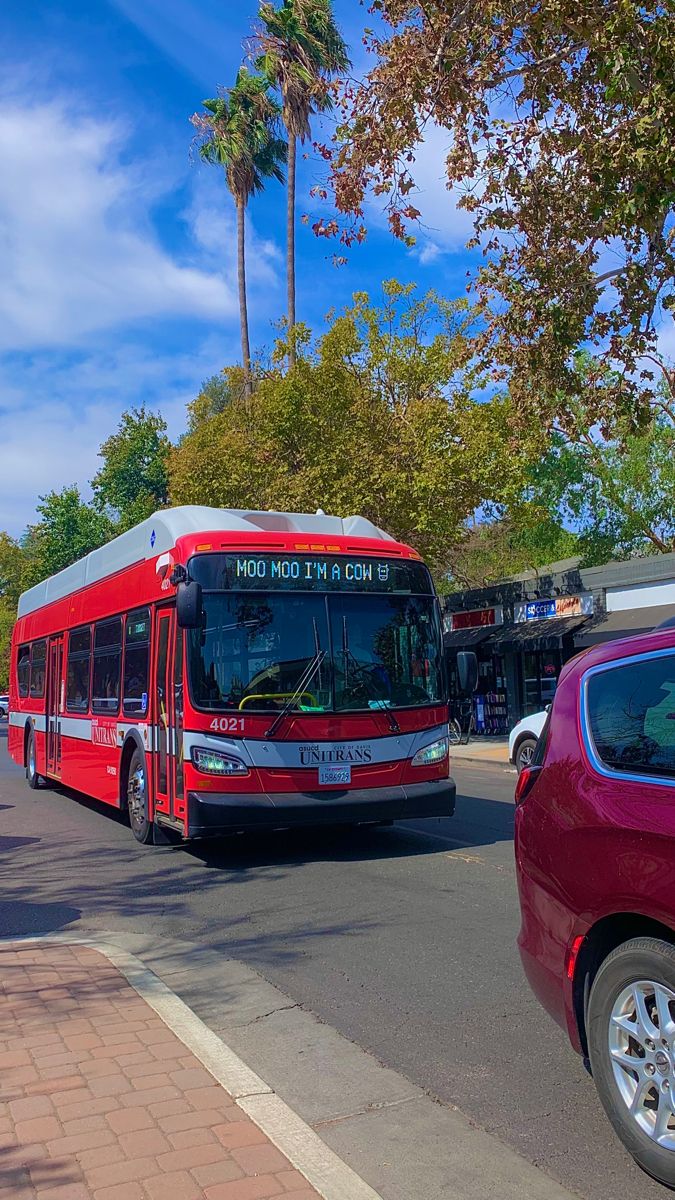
[
  {"x": 68, "y": 529},
  {"x": 561, "y": 124},
  {"x": 7, "y": 619},
  {"x": 375, "y": 418},
  {"x": 238, "y": 132},
  {"x": 11, "y": 568},
  {"x": 619, "y": 495},
  {"x": 133, "y": 481},
  {"x": 214, "y": 396},
  {"x": 523, "y": 537},
  {"x": 301, "y": 48}
]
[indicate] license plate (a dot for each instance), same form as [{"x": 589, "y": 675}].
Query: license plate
[{"x": 335, "y": 775}]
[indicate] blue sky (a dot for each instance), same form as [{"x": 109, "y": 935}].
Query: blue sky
[{"x": 118, "y": 282}]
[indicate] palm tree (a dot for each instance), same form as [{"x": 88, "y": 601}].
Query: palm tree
[
  {"x": 301, "y": 48},
  {"x": 240, "y": 133}
]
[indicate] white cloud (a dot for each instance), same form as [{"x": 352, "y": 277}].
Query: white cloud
[
  {"x": 56, "y": 412},
  {"x": 96, "y": 313},
  {"x": 212, "y": 221},
  {"x": 79, "y": 252},
  {"x": 445, "y": 228}
]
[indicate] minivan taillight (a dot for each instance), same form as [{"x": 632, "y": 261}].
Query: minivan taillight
[{"x": 525, "y": 782}]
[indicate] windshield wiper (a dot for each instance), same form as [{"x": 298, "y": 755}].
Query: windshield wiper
[
  {"x": 304, "y": 682},
  {"x": 366, "y": 678}
]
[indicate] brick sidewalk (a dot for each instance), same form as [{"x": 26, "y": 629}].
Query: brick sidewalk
[{"x": 99, "y": 1099}]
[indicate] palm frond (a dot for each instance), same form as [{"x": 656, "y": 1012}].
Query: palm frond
[
  {"x": 301, "y": 48},
  {"x": 240, "y": 131}
]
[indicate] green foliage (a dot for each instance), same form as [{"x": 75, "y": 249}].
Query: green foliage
[
  {"x": 239, "y": 132},
  {"x": 7, "y": 619},
  {"x": 523, "y": 538},
  {"x": 619, "y": 494},
  {"x": 11, "y": 568},
  {"x": 214, "y": 396},
  {"x": 376, "y": 418},
  {"x": 133, "y": 481},
  {"x": 560, "y": 118},
  {"x": 68, "y": 529},
  {"x": 300, "y": 48}
]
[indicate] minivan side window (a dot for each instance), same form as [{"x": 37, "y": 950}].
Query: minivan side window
[
  {"x": 105, "y": 688},
  {"x": 79, "y": 656},
  {"x": 38, "y": 661},
  {"x": 23, "y": 670},
  {"x": 136, "y": 663},
  {"x": 631, "y": 712}
]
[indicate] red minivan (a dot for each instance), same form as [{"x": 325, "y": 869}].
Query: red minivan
[{"x": 595, "y": 855}]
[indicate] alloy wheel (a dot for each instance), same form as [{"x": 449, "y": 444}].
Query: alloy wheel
[{"x": 642, "y": 1054}]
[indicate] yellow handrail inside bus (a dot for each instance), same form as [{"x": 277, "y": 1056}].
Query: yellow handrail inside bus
[{"x": 277, "y": 696}]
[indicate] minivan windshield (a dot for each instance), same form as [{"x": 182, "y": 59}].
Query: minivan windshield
[{"x": 378, "y": 651}]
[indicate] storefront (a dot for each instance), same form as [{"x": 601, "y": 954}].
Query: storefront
[
  {"x": 473, "y": 630},
  {"x": 525, "y": 629}
]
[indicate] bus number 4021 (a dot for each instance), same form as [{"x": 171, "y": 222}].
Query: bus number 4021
[{"x": 227, "y": 724}]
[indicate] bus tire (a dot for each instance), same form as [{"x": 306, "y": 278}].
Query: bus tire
[
  {"x": 137, "y": 798},
  {"x": 31, "y": 762}
]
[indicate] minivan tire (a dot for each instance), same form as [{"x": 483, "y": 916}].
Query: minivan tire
[
  {"x": 524, "y": 753},
  {"x": 651, "y": 960}
]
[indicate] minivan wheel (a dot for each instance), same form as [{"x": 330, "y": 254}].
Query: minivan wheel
[
  {"x": 631, "y": 1046},
  {"x": 137, "y": 798},
  {"x": 524, "y": 753}
]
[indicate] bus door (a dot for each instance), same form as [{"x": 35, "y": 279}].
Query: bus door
[
  {"x": 168, "y": 705},
  {"x": 53, "y": 709}
]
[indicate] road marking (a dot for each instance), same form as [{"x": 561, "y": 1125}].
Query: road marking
[
  {"x": 468, "y": 858},
  {"x": 331, "y": 1177}
]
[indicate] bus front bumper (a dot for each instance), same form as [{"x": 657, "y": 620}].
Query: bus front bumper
[{"x": 213, "y": 813}]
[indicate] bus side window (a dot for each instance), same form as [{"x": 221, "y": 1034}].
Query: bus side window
[
  {"x": 79, "y": 657},
  {"x": 105, "y": 688},
  {"x": 136, "y": 664},
  {"x": 23, "y": 670},
  {"x": 38, "y": 659}
]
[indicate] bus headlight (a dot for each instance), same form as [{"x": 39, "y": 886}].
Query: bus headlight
[
  {"x": 212, "y": 762},
  {"x": 434, "y": 753}
]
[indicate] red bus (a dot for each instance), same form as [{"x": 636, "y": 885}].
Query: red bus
[{"x": 216, "y": 671}]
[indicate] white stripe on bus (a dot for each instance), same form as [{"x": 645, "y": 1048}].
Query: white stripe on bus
[{"x": 255, "y": 752}]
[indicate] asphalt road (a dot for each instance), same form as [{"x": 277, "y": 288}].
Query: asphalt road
[{"x": 403, "y": 939}]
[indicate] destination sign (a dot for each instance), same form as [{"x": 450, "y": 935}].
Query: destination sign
[{"x": 308, "y": 573}]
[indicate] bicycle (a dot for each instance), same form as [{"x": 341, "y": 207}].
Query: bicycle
[{"x": 460, "y": 728}]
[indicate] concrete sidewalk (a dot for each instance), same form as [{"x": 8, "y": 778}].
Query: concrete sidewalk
[
  {"x": 483, "y": 749},
  {"x": 100, "y": 1100}
]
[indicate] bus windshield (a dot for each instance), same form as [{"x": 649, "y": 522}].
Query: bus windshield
[{"x": 378, "y": 651}]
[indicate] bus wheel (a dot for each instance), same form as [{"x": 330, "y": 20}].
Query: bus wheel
[
  {"x": 137, "y": 799},
  {"x": 31, "y": 762}
]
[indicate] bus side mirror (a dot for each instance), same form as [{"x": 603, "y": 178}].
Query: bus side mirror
[
  {"x": 467, "y": 672},
  {"x": 189, "y": 611}
]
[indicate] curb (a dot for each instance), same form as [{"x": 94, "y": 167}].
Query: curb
[
  {"x": 504, "y": 764},
  {"x": 323, "y": 1169}
]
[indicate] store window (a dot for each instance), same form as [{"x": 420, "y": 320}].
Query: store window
[{"x": 541, "y": 669}]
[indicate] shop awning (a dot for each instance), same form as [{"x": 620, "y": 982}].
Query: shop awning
[
  {"x": 604, "y": 627},
  {"x": 535, "y": 635},
  {"x": 459, "y": 639}
]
